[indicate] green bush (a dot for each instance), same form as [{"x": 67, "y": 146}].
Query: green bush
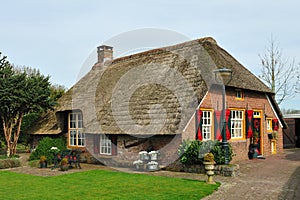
[
  {"x": 219, "y": 153},
  {"x": 44, "y": 146},
  {"x": 9, "y": 163},
  {"x": 189, "y": 152},
  {"x": 192, "y": 152}
]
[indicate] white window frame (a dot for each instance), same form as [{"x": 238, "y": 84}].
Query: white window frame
[
  {"x": 256, "y": 114},
  {"x": 206, "y": 124},
  {"x": 237, "y": 124},
  {"x": 76, "y": 135},
  {"x": 105, "y": 145}
]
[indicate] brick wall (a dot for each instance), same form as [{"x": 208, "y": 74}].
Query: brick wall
[
  {"x": 252, "y": 101},
  {"x": 128, "y": 148}
]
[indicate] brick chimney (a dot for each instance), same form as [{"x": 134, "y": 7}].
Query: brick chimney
[{"x": 105, "y": 53}]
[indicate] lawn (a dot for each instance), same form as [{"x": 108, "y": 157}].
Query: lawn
[{"x": 98, "y": 184}]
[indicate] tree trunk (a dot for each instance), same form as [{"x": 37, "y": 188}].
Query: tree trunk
[
  {"x": 16, "y": 135},
  {"x": 8, "y": 126}
]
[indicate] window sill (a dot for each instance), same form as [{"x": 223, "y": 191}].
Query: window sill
[
  {"x": 238, "y": 140},
  {"x": 106, "y": 156}
]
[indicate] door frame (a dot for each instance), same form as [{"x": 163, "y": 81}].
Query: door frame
[{"x": 261, "y": 147}]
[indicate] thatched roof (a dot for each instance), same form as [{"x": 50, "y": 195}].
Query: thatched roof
[{"x": 153, "y": 92}]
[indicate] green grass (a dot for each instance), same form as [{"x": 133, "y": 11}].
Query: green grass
[{"x": 98, "y": 184}]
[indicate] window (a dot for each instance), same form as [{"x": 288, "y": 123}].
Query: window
[
  {"x": 237, "y": 119},
  {"x": 269, "y": 125},
  {"x": 76, "y": 136},
  {"x": 206, "y": 124},
  {"x": 256, "y": 114},
  {"x": 273, "y": 147},
  {"x": 239, "y": 94},
  {"x": 105, "y": 145}
]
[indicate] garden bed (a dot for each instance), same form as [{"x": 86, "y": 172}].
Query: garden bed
[{"x": 9, "y": 163}]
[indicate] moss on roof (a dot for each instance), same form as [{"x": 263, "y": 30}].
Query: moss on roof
[{"x": 153, "y": 92}]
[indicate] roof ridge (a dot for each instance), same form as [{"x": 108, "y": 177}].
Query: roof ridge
[{"x": 163, "y": 49}]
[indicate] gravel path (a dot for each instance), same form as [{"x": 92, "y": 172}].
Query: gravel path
[{"x": 277, "y": 177}]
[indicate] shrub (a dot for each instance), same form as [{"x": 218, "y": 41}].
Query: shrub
[
  {"x": 219, "y": 153},
  {"x": 9, "y": 163},
  {"x": 43, "y": 159},
  {"x": 189, "y": 152},
  {"x": 193, "y": 152},
  {"x": 64, "y": 161},
  {"x": 44, "y": 148}
]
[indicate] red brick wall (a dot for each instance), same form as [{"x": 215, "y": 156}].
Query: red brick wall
[{"x": 252, "y": 101}]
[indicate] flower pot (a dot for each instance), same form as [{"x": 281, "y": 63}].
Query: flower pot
[
  {"x": 209, "y": 167},
  {"x": 153, "y": 155},
  {"x": 139, "y": 167},
  {"x": 64, "y": 168},
  {"x": 43, "y": 164},
  {"x": 152, "y": 166},
  {"x": 144, "y": 155}
]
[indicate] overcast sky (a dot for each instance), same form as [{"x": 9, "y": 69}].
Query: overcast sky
[{"x": 58, "y": 36}]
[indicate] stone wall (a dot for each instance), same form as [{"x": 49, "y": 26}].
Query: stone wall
[{"x": 231, "y": 170}]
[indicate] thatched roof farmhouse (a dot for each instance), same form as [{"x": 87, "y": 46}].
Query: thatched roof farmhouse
[{"x": 148, "y": 101}]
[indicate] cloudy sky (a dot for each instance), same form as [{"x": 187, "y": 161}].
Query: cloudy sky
[{"x": 58, "y": 36}]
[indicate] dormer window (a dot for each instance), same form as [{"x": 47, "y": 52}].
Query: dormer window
[
  {"x": 75, "y": 134},
  {"x": 239, "y": 94}
]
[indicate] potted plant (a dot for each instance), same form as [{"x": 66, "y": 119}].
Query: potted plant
[
  {"x": 274, "y": 135},
  {"x": 64, "y": 164},
  {"x": 144, "y": 155},
  {"x": 152, "y": 166},
  {"x": 209, "y": 167},
  {"x": 43, "y": 162},
  {"x": 253, "y": 148},
  {"x": 154, "y": 155},
  {"x": 139, "y": 164}
]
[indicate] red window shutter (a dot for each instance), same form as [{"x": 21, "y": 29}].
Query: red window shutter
[
  {"x": 275, "y": 124},
  {"x": 249, "y": 123},
  {"x": 218, "y": 125},
  {"x": 227, "y": 117},
  {"x": 198, "y": 118}
]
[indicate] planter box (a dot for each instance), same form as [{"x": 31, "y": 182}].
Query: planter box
[
  {"x": 154, "y": 155},
  {"x": 152, "y": 167},
  {"x": 144, "y": 155}
]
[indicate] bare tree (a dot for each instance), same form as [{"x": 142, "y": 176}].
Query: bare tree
[
  {"x": 297, "y": 88},
  {"x": 277, "y": 72}
]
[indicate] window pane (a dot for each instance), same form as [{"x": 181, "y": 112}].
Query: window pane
[
  {"x": 73, "y": 137},
  {"x": 80, "y": 121},
  {"x": 236, "y": 123},
  {"x": 105, "y": 145},
  {"x": 206, "y": 125},
  {"x": 72, "y": 120},
  {"x": 75, "y": 129},
  {"x": 80, "y": 138}
]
